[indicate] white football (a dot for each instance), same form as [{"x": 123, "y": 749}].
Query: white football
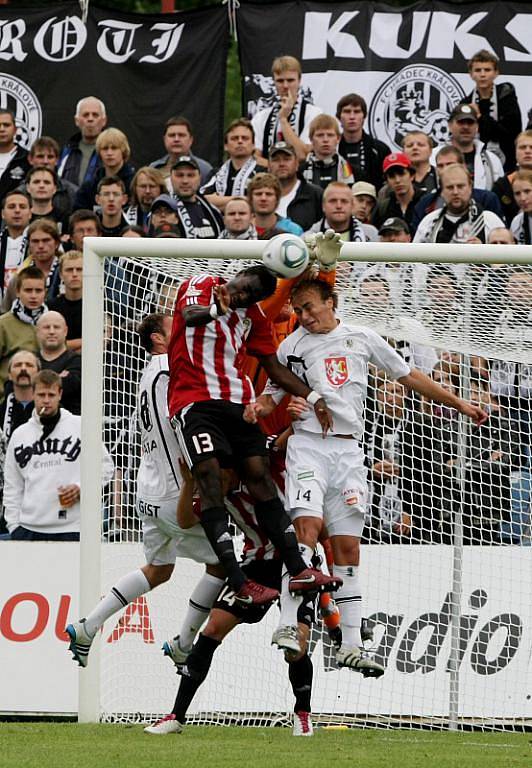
[{"x": 286, "y": 255}]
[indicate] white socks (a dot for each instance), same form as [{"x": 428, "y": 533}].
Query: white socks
[
  {"x": 126, "y": 589},
  {"x": 289, "y": 604},
  {"x": 200, "y": 603},
  {"x": 349, "y": 601}
]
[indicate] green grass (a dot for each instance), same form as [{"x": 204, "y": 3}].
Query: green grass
[{"x": 50, "y": 745}]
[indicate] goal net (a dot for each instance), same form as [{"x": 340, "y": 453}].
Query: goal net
[{"x": 445, "y": 561}]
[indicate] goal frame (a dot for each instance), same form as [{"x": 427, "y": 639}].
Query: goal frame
[{"x": 95, "y": 250}]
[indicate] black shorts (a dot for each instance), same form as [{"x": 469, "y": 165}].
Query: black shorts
[
  {"x": 216, "y": 428},
  {"x": 267, "y": 573}
]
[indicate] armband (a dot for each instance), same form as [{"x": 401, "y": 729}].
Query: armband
[
  {"x": 313, "y": 397},
  {"x": 213, "y": 312}
]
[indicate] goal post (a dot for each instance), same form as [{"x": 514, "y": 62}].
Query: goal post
[{"x": 422, "y": 686}]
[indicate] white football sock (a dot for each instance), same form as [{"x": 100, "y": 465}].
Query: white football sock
[
  {"x": 200, "y": 603},
  {"x": 126, "y": 589},
  {"x": 349, "y": 601}
]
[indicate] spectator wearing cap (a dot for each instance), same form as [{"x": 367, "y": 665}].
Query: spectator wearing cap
[
  {"x": 449, "y": 155},
  {"x": 232, "y": 178},
  {"x": 364, "y": 154},
  {"x": 497, "y": 108},
  {"x": 238, "y": 224},
  {"x": 364, "y": 199},
  {"x": 163, "y": 212},
  {"x": 197, "y": 218},
  {"x": 394, "y": 230},
  {"x": 399, "y": 174},
  {"x": 323, "y": 164},
  {"x": 264, "y": 193},
  {"x": 300, "y": 200},
  {"x": 483, "y": 165},
  {"x": 462, "y": 219},
  {"x": 178, "y": 138},
  {"x": 290, "y": 117}
]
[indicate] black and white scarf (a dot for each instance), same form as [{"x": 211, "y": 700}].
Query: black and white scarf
[
  {"x": 25, "y": 315},
  {"x": 240, "y": 181},
  {"x": 446, "y": 231},
  {"x": 22, "y": 248},
  {"x": 7, "y": 426},
  {"x": 249, "y": 234},
  {"x": 521, "y": 228},
  {"x": 186, "y": 222},
  {"x": 272, "y": 129},
  {"x": 356, "y": 233},
  {"x": 311, "y": 170}
]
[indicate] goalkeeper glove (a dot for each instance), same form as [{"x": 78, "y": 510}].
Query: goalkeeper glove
[{"x": 328, "y": 246}]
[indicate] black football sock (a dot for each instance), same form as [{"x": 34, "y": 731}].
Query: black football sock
[
  {"x": 272, "y": 518},
  {"x": 300, "y": 673},
  {"x": 193, "y": 674},
  {"x": 215, "y": 525}
]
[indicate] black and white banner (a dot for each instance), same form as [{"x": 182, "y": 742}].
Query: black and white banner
[
  {"x": 410, "y": 65},
  {"x": 145, "y": 68}
]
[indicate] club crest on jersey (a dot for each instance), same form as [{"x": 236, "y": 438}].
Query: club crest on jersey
[{"x": 336, "y": 370}]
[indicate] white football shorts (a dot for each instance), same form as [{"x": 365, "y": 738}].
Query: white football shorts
[
  {"x": 164, "y": 540},
  {"x": 326, "y": 478}
]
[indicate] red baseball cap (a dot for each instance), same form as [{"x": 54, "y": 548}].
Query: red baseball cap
[{"x": 396, "y": 158}]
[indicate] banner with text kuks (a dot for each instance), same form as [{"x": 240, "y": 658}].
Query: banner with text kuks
[
  {"x": 409, "y": 64},
  {"x": 145, "y": 68}
]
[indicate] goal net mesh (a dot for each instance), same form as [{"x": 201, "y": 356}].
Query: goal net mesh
[{"x": 445, "y": 561}]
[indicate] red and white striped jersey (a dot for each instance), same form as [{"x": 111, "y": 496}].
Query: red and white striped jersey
[
  {"x": 206, "y": 361},
  {"x": 240, "y": 506}
]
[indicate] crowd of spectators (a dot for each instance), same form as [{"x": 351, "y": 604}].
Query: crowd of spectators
[{"x": 292, "y": 168}]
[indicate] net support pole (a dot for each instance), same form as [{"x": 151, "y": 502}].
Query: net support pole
[
  {"x": 458, "y": 527},
  {"x": 91, "y": 471}
]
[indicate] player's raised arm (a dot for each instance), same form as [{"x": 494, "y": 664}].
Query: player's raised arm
[{"x": 430, "y": 389}]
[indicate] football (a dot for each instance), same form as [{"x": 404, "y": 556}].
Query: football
[{"x": 286, "y": 255}]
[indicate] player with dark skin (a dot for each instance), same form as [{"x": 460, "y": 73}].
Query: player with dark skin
[{"x": 244, "y": 290}]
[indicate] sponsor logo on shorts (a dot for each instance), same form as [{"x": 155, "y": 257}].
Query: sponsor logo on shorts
[
  {"x": 336, "y": 370},
  {"x": 306, "y": 475},
  {"x": 352, "y": 496}
]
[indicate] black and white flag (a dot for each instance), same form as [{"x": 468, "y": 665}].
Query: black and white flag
[
  {"x": 145, "y": 68},
  {"x": 409, "y": 64}
]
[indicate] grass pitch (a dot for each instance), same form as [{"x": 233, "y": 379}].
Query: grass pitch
[{"x": 49, "y": 745}]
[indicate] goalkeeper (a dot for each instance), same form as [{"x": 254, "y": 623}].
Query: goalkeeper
[{"x": 326, "y": 475}]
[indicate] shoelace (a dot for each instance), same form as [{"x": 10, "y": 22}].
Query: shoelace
[{"x": 304, "y": 720}]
